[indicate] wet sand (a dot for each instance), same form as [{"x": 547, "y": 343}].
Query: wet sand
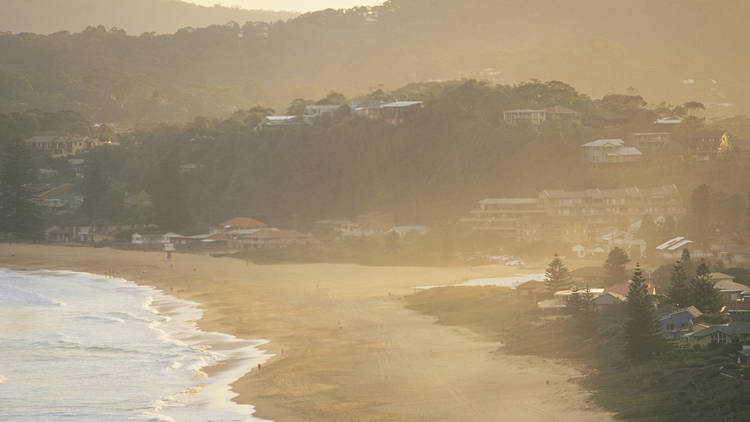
[{"x": 345, "y": 347}]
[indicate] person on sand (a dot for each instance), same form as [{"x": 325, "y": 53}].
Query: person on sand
[{"x": 259, "y": 367}]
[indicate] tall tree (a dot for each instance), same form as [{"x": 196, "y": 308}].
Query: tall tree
[
  {"x": 642, "y": 329},
  {"x": 557, "y": 276},
  {"x": 700, "y": 207},
  {"x": 614, "y": 267},
  {"x": 20, "y": 218},
  {"x": 679, "y": 290},
  {"x": 704, "y": 295}
]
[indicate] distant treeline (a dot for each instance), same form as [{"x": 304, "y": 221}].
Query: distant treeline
[{"x": 669, "y": 53}]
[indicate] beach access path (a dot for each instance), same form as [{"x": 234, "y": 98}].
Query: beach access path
[{"x": 346, "y": 349}]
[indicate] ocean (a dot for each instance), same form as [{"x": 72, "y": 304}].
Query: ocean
[{"x": 83, "y": 347}]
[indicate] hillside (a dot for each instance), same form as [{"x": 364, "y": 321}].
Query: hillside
[
  {"x": 665, "y": 51},
  {"x": 134, "y": 16}
]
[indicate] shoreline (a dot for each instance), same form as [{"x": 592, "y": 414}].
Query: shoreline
[{"x": 344, "y": 346}]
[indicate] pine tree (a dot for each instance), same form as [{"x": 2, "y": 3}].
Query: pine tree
[
  {"x": 20, "y": 218},
  {"x": 574, "y": 305},
  {"x": 556, "y": 276},
  {"x": 642, "y": 330},
  {"x": 678, "y": 290},
  {"x": 614, "y": 267},
  {"x": 704, "y": 295}
]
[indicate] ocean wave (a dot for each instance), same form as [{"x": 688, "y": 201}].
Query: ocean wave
[{"x": 15, "y": 296}]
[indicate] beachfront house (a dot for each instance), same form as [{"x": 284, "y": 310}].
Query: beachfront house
[
  {"x": 563, "y": 296},
  {"x": 733, "y": 332},
  {"x": 674, "y": 325}
]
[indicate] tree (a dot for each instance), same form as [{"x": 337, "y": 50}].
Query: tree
[
  {"x": 704, "y": 295},
  {"x": 297, "y": 107},
  {"x": 678, "y": 289},
  {"x": 581, "y": 302},
  {"x": 700, "y": 206},
  {"x": 614, "y": 267},
  {"x": 642, "y": 330},
  {"x": 556, "y": 276},
  {"x": 333, "y": 98},
  {"x": 20, "y": 218},
  {"x": 170, "y": 206}
]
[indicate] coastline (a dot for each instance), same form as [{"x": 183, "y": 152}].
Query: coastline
[{"x": 344, "y": 347}]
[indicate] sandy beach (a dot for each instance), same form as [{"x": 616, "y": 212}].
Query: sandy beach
[{"x": 345, "y": 347}]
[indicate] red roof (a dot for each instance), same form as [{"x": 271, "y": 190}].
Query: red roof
[{"x": 243, "y": 223}]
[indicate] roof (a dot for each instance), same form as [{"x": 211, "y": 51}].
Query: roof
[
  {"x": 605, "y": 143},
  {"x": 631, "y": 192},
  {"x": 243, "y": 223},
  {"x": 721, "y": 276},
  {"x": 671, "y": 242},
  {"x": 510, "y": 201},
  {"x": 280, "y": 118},
  {"x": 532, "y": 284},
  {"x": 401, "y": 104},
  {"x": 729, "y": 286},
  {"x": 46, "y": 139},
  {"x": 733, "y": 328},
  {"x": 560, "y": 110},
  {"x": 410, "y": 228},
  {"x": 667, "y": 121},
  {"x": 55, "y": 192},
  {"x": 570, "y": 292},
  {"x": 628, "y": 151},
  {"x": 692, "y": 310},
  {"x": 617, "y": 296}
]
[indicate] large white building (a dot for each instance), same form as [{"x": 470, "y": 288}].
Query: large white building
[{"x": 610, "y": 151}]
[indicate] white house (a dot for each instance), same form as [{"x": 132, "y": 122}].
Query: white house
[{"x": 610, "y": 151}]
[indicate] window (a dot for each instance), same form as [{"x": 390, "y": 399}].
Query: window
[
  {"x": 670, "y": 327},
  {"x": 718, "y": 338}
]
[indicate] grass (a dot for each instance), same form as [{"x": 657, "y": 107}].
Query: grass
[{"x": 677, "y": 386}]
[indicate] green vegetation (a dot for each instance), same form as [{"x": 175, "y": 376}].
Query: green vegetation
[
  {"x": 675, "y": 386},
  {"x": 614, "y": 267},
  {"x": 556, "y": 276},
  {"x": 214, "y": 70},
  {"x": 642, "y": 329},
  {"x": 19, "y": 217}
]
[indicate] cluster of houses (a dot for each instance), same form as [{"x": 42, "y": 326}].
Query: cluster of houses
[
  {"x": 367, "y": 225},
  {"x": 394, "y": 113},
  {"x": 684, "y": 325},
  {"x": 62, "y": 145},
  {"x": 235, "y": 233},
  {"x": 591, "y": 221}
]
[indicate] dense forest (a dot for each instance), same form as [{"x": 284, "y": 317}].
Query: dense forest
[
  {"x": 112, "y": 76},
  {"x": 430, "y": 169},
  {"x": 134, "y": 16}
]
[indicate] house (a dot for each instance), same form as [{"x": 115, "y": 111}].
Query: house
[
  {"x": 314, "y": 113},
  {"x": 339, "y": 229},
  {"x": 744, "y": 356},
  {"x": 60, "y": 145},
  {"x": 539, "y": 116},
  {"x": 606, "y": 204},
  {"x": 729, "y": 290},
  {"x": 137, "y": 200},
  {"x": 610, "y": 151},
  {"x": 367, "y": 108},
  {"x": 79, "y": 166},
  {"x": 153, "y": 238},
  {"x": 733, "y": 332},
  {"x": 534, "y": 117},
  {"x": 60, "y": 198},
  {"x": 667, "y": 121},
  {"x": 650, "y": 141},
  {"x": 674, "y": 325},
  {"x": 608, "y": 299},
  {"x": 267, "y": 238},
  {"x": 562, "y": 296},
  {"x": 280, "y": 122},
  {"x": 534, "y": 290},
  {"x": 400, "y": 111},
  {"x": 405, "y": 231},
  {"x": 58, "y": 234},
  {"x": 502, "y": 216},
  {"x": 239, "y": 223}
]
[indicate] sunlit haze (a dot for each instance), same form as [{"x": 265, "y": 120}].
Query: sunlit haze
[{"x": 298, "y": 5}]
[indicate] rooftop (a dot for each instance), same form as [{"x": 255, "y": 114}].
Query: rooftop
[
  {"x": 243, "y": 223},
  {"x": 605, "y": 143},
  {"x": 509, "y": 201}
]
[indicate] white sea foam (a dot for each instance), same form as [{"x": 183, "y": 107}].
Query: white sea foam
[
  {"x": 510, "y": 282},
  {"x": 110, "y": 354}
]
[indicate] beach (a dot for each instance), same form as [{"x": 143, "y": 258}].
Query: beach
[{"x": 344, "y": 347}]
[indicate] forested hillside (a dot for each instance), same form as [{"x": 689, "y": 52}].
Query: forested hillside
[
  {"x": 133, "y": 16},
  {"x": 430, "y": 169},
  {"x": 600, "y": 47}
]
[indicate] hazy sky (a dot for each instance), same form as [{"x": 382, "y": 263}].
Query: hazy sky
[{"x": 299, "y": 5}]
